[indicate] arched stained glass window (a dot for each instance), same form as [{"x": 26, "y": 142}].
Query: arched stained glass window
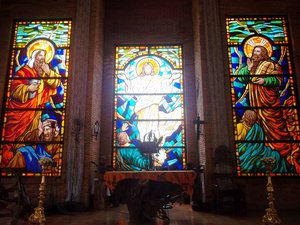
[
  {"x": 263, "y": 90},
  {"x": 149, "y": 129},
  {"x": 34, "y": 110}
]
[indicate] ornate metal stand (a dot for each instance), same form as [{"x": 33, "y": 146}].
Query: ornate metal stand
[
  {"x": 38, "y": 216},
  {"x": 271, "y": 217}
]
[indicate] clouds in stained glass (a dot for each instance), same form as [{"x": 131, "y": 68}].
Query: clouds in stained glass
[
  {"x": 240, "y": 28},
  {"x": 58, "y": 32}
]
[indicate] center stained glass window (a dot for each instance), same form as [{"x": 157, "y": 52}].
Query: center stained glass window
[{"x": 149, "y": 129}]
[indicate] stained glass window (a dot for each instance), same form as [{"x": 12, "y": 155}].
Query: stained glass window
[
  {"x": 263, "y": 94},
  {"x": 149, "y": 129},
  {"x": 34, "y": 110}
]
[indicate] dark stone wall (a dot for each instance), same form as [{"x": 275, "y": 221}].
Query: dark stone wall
[{"x": 147, "y": 22}]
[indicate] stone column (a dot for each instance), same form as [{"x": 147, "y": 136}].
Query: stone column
[
  {"x": 215, "y": 84},
  {"x": 214, "y": 78},
  {"x": 93, "y": 101},
  {"x": 75, "y": 148},
  {"x": 198, "y": 78},
  {"x": 211, "y": 82},
  {"x": 200, "y": 184}
]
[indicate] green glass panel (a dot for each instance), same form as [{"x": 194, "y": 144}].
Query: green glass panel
[
  {"x": 240, "y": 28},
  {"x": 57, "y": 31}
]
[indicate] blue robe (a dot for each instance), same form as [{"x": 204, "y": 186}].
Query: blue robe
[
  {"x": 32, "y": 157},
  {"x": 132, "y": 159},
  {"x": 250, "y": 154}
]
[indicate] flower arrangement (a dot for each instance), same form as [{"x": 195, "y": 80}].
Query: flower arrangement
[
  {"x": 268, "y": 162},
  {"x": 45, "y": 161}
]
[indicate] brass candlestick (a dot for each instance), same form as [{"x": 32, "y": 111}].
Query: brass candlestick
[
  {"x": 38, "y": 216},
  {"x": 271, "y": 217}
]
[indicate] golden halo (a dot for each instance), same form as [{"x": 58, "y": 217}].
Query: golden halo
[
  {"x": 140, "y": 65},
  {"x": 41, "y": 44},
  {"x": 254, "y": 41}
]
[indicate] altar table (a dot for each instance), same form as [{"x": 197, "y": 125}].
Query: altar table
[{"x": 185, "y": 178}]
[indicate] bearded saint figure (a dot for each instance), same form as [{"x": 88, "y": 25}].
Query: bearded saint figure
[
  {"x": 28, "y": 91},
  {"x": 260, "y": 75}
]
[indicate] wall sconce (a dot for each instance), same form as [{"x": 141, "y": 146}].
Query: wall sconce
[
  {"x": 96, "y": 129},
  {"x": 198, "y": 123}
]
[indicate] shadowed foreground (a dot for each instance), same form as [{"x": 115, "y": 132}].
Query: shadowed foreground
[{"x": 179, "y": 215}]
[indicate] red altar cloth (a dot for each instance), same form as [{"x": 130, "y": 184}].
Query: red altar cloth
[{"x": 185, "y": 178}]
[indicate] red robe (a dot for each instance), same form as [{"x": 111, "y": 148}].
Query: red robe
[
  {"x": 271, "y": 118},
  {"x": 21, "y": 122}
]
